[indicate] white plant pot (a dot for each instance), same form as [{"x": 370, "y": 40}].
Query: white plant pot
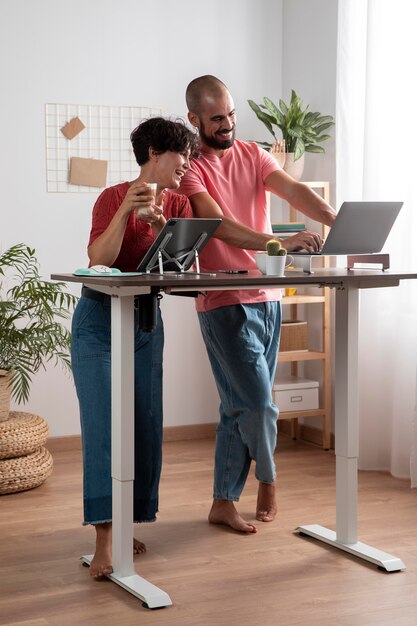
[
  {"x": 294, "y": 168},
  {"x": 275, "y": 265}
]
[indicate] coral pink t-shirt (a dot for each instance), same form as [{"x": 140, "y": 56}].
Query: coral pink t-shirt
[
  {"x": 236, "y": 182},
  {"x": 138, "y": 235}
]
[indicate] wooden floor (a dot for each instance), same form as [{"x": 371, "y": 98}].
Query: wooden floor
[{"x": 214, "y": 577}]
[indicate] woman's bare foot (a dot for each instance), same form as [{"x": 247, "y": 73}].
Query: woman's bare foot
[
  {"x": 266, "y": 506},
  {"x": 101, "y": 565},
  {"x": 138, "y": 546},
  {"x": 224, "y": 512}
]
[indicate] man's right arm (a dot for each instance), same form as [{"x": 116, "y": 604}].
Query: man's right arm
[{"x": 240, "y": 236}]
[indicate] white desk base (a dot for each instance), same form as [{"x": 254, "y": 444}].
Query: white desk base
[
  {"x": 122, "y": 367},
  {"x": 138, "y": 586},
  {"x": 347, "y": 441},
  {"x": 382, "y": 559}
]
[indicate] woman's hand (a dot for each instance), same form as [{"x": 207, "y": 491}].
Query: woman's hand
[
  {"x": 148, "y": 208},
  {"x": 141, "y": 198}
]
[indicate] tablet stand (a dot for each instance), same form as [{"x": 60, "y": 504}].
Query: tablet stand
[
  {"x": 178, "y": 245},
  {"x": 182, "y": 261}
]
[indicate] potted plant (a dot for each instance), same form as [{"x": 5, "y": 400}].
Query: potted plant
[
  {"x": 276, "y": 258},
  {"x": 302, "y": 130},
  {"x": 31, "y": 333}
]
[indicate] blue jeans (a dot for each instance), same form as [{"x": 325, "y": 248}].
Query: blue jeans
[
  {"x": 242, "y": 344},
  {"x": 91, "y": 363}
]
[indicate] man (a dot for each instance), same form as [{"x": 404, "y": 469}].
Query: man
[{"x": 241, "y": 328}]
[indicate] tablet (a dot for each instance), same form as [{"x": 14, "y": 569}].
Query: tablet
[{"x": 176, "y": 245}]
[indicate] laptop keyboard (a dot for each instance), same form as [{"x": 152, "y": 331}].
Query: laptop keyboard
[{"x": 306, "y": 253}]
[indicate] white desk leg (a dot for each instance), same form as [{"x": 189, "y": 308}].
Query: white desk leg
[
  {"x": 346, "y": 436},
  {"x": 122, "y": 352}
]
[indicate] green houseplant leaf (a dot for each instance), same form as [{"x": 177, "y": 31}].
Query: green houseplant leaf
[
  {"x": 31, "y": 310},
  {"x": 302, "y": 129}
]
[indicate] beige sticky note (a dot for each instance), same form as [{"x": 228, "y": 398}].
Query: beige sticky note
[
  {"x": 89, "y": 172},
  {"x": 72, "y": 128}
]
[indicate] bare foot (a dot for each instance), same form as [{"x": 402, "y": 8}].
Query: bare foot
[
  {"x": 224, "y": 512},
  {"x": 101, "y": 565},
  {"x": 266, "y": 506},
  {"x": 138, "y": 546}
]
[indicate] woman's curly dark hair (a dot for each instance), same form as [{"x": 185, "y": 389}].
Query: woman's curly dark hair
[{"x": 162, "y": 135}]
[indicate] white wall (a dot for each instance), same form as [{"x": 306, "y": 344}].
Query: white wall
[
  {"x": 125, "y": 52},
  {"x": 309, "y": 67}
]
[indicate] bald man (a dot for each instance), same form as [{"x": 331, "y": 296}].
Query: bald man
[{"x": 241, "y": 328}]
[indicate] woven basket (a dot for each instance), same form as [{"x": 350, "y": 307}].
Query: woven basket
[
  {"x": 4, "y": 395},
  {"x": 294, "y": 336},
  {"x": 25, "y": 472},
  {"x": 22, "y": 434}
]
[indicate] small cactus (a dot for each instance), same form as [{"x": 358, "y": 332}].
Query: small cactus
[{"x": 274, "y": 248}]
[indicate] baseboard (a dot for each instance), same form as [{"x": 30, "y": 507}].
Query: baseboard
[
  {"x": 64, "y": 444},
  {"x": 309, "y": 434},
  {"x": 171, "y": 433},
  {"x": 191, "y": 431}
]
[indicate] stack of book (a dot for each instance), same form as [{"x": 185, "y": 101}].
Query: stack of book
[{"x": 286, "y": 229}]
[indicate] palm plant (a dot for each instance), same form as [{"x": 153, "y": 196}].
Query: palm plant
[
  {"x": 301, "y": 129},
  {"x": 30, "y": 309}
]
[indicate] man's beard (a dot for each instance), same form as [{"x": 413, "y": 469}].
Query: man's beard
[{"x": 213, "y": 142}]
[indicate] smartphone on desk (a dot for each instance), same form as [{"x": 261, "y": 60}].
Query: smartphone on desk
[{"x": 232, "y": 271}]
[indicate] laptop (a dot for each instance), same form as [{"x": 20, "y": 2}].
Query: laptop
[{"x": 359, "y": 228}]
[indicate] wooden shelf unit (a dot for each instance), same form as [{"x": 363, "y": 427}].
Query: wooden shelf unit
[{"x": 323, "y": 355}]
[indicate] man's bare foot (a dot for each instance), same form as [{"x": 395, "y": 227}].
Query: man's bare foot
[
  {"x": 266, "y": 506},
  {"x": 101, "y": 565},
  {"x": 224, "y": 512}
]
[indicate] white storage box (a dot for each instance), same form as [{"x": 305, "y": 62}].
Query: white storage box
[{"x": 292, "y": 393}]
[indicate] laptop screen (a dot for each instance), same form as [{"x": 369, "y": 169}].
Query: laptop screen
[{"x": 360, "y": 228}]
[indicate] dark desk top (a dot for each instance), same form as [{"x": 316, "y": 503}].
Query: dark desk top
[{"x": 323, "y": 277}]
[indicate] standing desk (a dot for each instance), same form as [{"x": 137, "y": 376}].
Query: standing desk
[{"x": 348, "y": 284}]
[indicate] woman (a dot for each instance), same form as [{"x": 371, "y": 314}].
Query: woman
[{"x": 126, "y": 219}]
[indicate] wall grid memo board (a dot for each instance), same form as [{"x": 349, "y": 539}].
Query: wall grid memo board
[{"x": 106, "y": 137}]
